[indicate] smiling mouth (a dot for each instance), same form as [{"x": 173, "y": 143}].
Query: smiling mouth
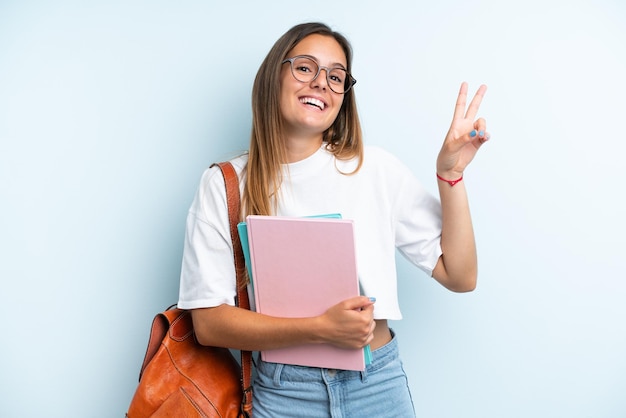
[{"x": 313, "y": 102}]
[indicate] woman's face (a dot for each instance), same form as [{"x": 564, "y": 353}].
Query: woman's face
[{"x": 310, "y": 108}]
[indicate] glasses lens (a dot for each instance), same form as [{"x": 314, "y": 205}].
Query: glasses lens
[
  {"x": 304, "y": 69},
  {"x": 338, "y": 80}
]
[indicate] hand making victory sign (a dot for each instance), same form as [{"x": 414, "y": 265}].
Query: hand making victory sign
[
  {"x": 465, "y": 136},
  {"x": 457, "y": 267}
]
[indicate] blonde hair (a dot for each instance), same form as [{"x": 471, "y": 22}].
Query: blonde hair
[{"x": 267, "y": 148}]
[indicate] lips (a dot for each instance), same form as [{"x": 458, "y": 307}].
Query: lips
[{"x": 311, "y": 101}]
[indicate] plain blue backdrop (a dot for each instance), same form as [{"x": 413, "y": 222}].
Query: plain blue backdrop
[{"x": 110, "y": 111}]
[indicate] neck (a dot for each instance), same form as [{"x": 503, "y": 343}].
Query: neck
[{"x": 299, "y": 148}]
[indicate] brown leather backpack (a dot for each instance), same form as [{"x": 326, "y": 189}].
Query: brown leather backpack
[{"x": 183, "y": 379}]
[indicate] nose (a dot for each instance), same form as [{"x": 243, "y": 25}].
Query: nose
[{"x": 322, "y": 79}]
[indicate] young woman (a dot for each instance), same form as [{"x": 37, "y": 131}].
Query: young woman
[{"x": 307, "y": 157}]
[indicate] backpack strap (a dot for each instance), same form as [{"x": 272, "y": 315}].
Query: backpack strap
[{"x": 234, "y": 213}]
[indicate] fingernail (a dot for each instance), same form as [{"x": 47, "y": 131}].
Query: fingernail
[
  {"x": 481, "y": 133},
  {"x": 372, "y": 299},
  {"x": 473, "y": 133}
]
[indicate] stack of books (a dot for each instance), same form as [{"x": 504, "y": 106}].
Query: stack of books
[{"x": 300, "y": 267}]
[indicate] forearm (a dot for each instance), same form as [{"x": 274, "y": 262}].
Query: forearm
[
  {"x": 348, "y": 324},
  {"x": 229, "y": 326},
  {"x": 457, "y": 269}
]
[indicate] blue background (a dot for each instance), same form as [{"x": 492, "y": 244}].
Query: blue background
[{"x": 110, "y": 111}]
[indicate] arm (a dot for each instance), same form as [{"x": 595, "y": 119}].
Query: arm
[
  {"x": 457, "y": 267},
  {"x": 348, "y": 324},
  {"x": 208, "y": 274}
]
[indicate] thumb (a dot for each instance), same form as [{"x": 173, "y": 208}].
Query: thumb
[{"x": 359, "y": 302}]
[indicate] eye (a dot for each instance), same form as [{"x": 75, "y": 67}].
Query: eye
[
  {"x": 337, "y": 76},
  {"x": 305, "y": 66}
]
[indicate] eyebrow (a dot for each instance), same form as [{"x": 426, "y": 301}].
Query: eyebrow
[{"x": 334, "y": 65}]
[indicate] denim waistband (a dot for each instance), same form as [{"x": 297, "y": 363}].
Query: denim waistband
[
  {"x": 381, "y": 357},
  {"x": 384, "y": 354}
]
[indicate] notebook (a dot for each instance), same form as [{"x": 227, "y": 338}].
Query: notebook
[
  {"x": 300, "y": 268},
  {"x": 242, "y": 228}
]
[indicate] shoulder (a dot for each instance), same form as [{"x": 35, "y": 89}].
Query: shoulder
[
  {"x": 211, "y": 193},
  {"x": 378, "y": 155},
  {"x": 212, "y": 176},
  {"x": 379, "y": 161},
  {"x": 375, "y": 158},
  {"x": 379, "y": 167}
]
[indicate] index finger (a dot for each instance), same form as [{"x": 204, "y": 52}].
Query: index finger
[
  {"x": 459, "y": 108},
  {"x": 472, "y": 110}
]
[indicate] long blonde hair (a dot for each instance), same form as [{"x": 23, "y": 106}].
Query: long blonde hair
[{"x": 267, "y": 147}]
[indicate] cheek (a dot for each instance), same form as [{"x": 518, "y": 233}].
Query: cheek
[
  {"x": 338, "y": 106},
  {"x": 286, "y": 80},
  {"x": 287, "y": 88},
  {"x": 283, "y": 96},
  {"x": 286, "y": 104}
]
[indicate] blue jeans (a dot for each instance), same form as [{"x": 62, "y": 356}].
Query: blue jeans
[{"x": 381, "y": 391}]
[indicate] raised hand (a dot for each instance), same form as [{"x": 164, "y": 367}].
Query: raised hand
[{"x": 465, "y": 136}]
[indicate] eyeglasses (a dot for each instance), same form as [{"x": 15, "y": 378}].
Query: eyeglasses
[{"x": 306, "y": 69}]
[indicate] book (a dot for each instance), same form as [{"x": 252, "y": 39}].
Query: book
[
  {"x": 300, "y": 267},
  {"x": 242, "y": 228}
]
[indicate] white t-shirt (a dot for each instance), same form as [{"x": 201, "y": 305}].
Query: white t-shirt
[{"x": 390, "y": 209}]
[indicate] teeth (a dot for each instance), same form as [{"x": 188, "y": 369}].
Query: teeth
[{"x": 312, "y": 101}]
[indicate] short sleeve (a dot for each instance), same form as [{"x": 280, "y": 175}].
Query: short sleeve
[
  {"x": 417, "y": 219},
  {"x": 208, "y": 273}
]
